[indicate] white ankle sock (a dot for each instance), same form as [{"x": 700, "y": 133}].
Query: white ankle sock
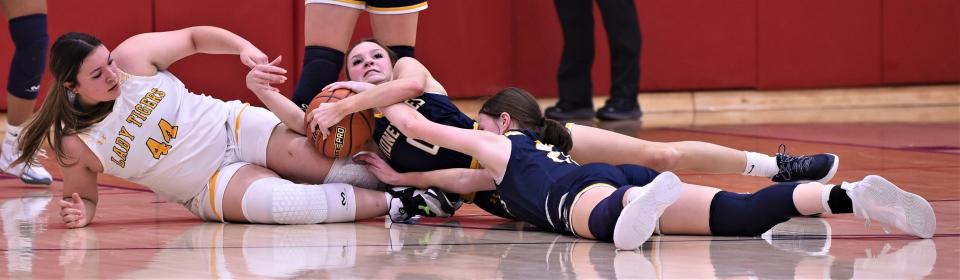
[
  {"x": 760, "y": 165},
  {"x": 848, "y": 186},
  {"x": 12, "y": 130}
]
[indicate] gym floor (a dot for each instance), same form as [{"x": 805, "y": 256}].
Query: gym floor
[{"x": 137, "y": 235}]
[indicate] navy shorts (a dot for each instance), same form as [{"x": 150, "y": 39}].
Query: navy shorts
[{"x": 592, "y": 175}]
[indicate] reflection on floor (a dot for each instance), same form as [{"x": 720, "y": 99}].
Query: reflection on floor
[{"x": 138, "y": 236}]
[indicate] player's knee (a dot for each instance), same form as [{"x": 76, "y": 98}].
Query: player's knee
[
  {"x": 665, "y": 159},
  {"x": 274, "y": 200},
  {"x": 29, "y": 35},
  {"x": 603, "y": 217}
]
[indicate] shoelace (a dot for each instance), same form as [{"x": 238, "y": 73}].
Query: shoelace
[{"x": 789, "y": 163}]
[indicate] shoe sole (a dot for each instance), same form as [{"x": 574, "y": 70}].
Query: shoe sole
[
  {"x": 833, "y": 170},
  {"x": 639, "y": 218},
  {"x": 30, "y": 180},
  {"x": 445, "y": 207},
  {"x": 571, "y": 118},
  {"x": 618, "y": 118},
  {"x": 4, "y": 165},
  {"x": 920, "y": 218}
]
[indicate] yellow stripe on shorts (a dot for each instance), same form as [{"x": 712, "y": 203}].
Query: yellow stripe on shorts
[
  {"x": 351, "y": 2},
  {"x": 397, "y": 9},
  {"x": 213, "y": 194},
  {"x": 236, "y": 124}
]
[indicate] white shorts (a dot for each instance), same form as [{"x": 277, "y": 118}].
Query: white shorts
[
  {"x": 383, "y": 7},
  {"x": 249, "y": 130}
]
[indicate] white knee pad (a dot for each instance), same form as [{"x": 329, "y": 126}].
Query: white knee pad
[
  {"x": 274, "y": 200},
  {"x": 349, "y": 172}
]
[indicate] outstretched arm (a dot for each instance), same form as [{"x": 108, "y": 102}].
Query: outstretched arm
[
  {"x": 147, "y": 53},
  {"x": 259, "y": 81},
  {"x": 455, "y": 180},
  {"x": 490, "y": 149}
]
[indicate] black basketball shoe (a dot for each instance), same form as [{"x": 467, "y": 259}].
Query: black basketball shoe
[
  {"x": 619, "y": 110},
  {"x": 804, "y": 169},
  {"x": 567, "y": 112},
  {"x": 408, "y": 202}
]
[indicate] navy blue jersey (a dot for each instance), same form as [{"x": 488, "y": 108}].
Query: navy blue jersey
[
  {"x": 412, "y": 155},
  {"x": 541, "y": 182}
]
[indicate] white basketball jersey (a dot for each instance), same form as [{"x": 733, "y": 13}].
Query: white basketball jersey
[{"x": 161, "y": 136}]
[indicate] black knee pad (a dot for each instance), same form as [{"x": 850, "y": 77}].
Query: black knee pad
[
  {"x": 29, "y": 35},
  {"x": 321, "y": 67},
  {"x": 403, "y": 51},
  {"x": 735, "y": 214},
  {"x": 604, "y": 217}
]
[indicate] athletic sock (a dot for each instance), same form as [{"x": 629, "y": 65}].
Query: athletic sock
[{"x": 760, "y": 165}]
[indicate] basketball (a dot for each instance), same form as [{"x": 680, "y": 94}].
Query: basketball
[{"x": 346, "y": 137}]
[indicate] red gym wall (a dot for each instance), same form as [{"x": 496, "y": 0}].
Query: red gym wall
[{"x": 477, "y": 47}]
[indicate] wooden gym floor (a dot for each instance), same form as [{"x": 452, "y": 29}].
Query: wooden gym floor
[{"x": 910, "y": 135}]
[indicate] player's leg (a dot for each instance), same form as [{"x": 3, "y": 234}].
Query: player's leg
[
  {"x": 394, "y": 23},
  {"x": 628, "y": 215},
  {"x": 598, "y": 145},
  {"x": 260, "y": 138},
  {"x": 243, "y": 192},
  {"x": 707, "y": 210},
  {"x": 727, "y": 213}
]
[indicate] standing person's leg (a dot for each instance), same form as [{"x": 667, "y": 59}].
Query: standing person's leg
[
  {"x": 573, "y": 76},
  {"x": 28, "y": 30},
  {"x": 394, "y": 23},
  {"x": 328, "y": 26},
  {"x": 623, "y": 36}
]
